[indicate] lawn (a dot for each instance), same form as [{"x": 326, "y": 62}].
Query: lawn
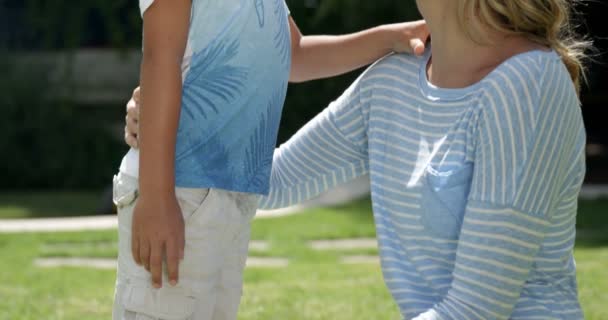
[{"x": 315, "y": 285}]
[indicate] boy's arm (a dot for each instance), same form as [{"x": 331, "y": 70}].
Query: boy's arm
[
  {"x": 316, "y": 57},
  {"x": 158, "y": 227}
]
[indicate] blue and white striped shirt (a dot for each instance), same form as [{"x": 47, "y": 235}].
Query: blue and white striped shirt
[{"x": 474, "y": 190}]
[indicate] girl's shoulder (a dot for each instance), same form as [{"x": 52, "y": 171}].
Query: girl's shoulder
[
  {"x": 534, "y": 68},
  {"x": 403, "y": 61},
  {"x": 530, "y": 74},
  {"x": 529, "y": 85},
  {"x": 393, "y": 69}
]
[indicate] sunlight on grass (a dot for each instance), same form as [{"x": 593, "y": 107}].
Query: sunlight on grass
[
  {"x": 315, "y": 285},
  {"x": 13, "y": 211},
  {"x": 592, "y": 272}
]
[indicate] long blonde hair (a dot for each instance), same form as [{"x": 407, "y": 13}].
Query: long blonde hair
[{"x": 546, "y": 22}]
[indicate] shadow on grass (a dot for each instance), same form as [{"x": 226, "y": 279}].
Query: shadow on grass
[
  {"x": 48, "y": 204},
  {"x": 592, "y": 224}
]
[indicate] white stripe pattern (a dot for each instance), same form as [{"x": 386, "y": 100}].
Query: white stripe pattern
[{"x": 474, "y": 190}]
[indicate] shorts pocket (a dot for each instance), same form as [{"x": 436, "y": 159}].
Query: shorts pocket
[
  {"x": 191, "y": 200},
  {"x": 125, "y": 191},
  {"x": 167, "y": 303},
  {"x": 444, "y": 198}
]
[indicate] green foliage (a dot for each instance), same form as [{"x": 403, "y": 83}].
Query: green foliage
[
  {"x": 340, "y": 16},
  {"x": 49, "y": 143},
  {"x": 63, "y": 24}
]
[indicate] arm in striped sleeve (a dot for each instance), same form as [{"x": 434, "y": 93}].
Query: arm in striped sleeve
[
  {"x": 520, "y": 163},
  {"x": 331, "y": 149}
]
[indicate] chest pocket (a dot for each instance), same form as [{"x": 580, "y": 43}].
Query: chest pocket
[{"x": 444, "y": 198}]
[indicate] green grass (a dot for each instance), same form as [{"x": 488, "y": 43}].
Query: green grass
[
  {"x": 314, "y": 286},
  {"x": 48, "y": 204}
]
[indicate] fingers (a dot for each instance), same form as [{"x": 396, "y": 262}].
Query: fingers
[
  {"x": 173, "y": 258},
  {"x": 133, "y": 109},
  {"x": 132, "y": 124},
  {"x": 137, "y": 94},
  {"x": 417, "y": 46},
  {"x": 419, "y": 38},
  {"x": 144, "y": 253},
  {"x": 425, "y": 34},
  {"x": 156, "y": 264},
  {"x": 131, "y": 140}
]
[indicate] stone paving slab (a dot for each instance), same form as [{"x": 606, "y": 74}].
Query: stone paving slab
[
  {"x": 340, "y": 195},
  {"x": 109, "y": 222},
  {"x": 344, "y": 244},
  {"x": 94, "y": 263},
  {"x": 58, "y": 224},
  {"x": 110, "y": 264},
  {"x": 255, "y": 262},
  {"x": 252, "y": 262},
  {"x": 343, "y": 194},
  {"x": 594, "y": 192},
  {"x": 259, "y": 245}
]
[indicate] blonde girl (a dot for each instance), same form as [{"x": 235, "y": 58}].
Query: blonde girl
[{"x": 476, "y": 158}]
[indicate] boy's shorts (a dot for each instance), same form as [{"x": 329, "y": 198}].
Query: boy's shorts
[{"x": 211, "y": 274}]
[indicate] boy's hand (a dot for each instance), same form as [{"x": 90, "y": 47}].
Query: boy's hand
[
  {"x": 132, "y": 120},
  {"x": 157, "y": 236},
  {"x": 409, "y": 37}
]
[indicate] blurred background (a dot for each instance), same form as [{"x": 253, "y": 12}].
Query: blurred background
[{"x": 67, "y": 69}]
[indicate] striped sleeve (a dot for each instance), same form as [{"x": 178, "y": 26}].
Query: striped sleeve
[
  {"x": 330, "y": 150},
  {"x": 524, "y": 139},
  {"x": 287, "y": 8}
]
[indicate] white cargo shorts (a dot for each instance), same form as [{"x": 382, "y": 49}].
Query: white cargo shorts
[{"x": 211, "y": 274}]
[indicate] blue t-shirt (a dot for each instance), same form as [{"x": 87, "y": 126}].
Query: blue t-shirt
[{"x": 236, "y": 70}]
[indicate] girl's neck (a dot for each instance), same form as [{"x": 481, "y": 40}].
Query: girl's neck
[{"x": 457, "y": 60}]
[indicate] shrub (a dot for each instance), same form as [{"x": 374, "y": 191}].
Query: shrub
[{"x": 49, "y": 143}]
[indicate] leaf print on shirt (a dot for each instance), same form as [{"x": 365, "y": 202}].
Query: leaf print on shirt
[
  {"x": 282, "y": 38},
  {"x": 211, "y": 80},
  {"x": 216, "y": 155},
  {"x": 259, "y": 8},
  {"x": 261, "y": 145}
]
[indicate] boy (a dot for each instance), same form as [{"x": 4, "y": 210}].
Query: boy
[{"x": 190, "y": 193}]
